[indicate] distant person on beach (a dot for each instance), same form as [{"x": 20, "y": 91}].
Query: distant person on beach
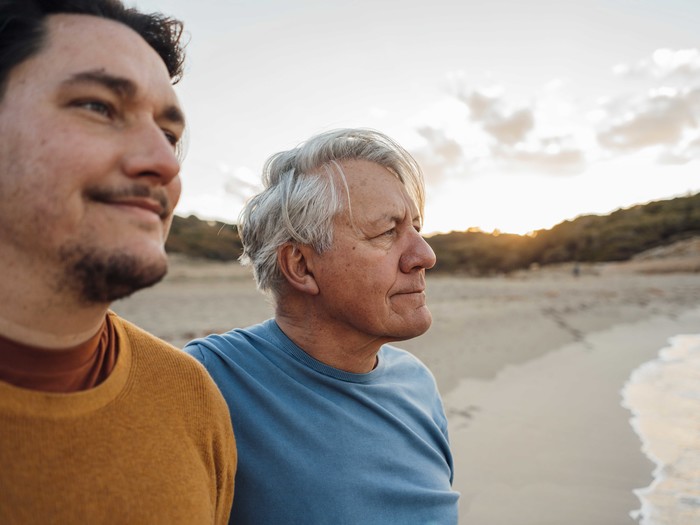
[
  {"x": 333, "y": 424},
  {"x": 100, "y": 422}
]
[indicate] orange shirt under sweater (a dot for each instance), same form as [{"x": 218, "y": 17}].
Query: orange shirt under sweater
[
  {"x": 151, "y": 444},
  {"x": 81, "y": 367}
]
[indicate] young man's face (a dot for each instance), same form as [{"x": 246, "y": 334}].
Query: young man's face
[
  {"x": 372, "y": 280},
  {"x": 88, "y": 169}
]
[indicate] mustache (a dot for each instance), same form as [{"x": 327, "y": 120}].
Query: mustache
[{"x": 159, "y": 195}]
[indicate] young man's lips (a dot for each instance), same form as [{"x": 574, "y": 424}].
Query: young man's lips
[
  {"x": 147, "y": 204},
  {"x": 136, "y": 197}
]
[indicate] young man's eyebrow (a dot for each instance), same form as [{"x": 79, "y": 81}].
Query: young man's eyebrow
[
  {"x": 174, "y": 115},
  {"x": 123, "y": 88}
]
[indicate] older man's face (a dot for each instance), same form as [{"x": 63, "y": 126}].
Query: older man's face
[
  {"x": 372, "y": 280},
  {"x": 88, "y": 170}
]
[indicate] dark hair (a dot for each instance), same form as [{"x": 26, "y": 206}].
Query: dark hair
[{"x": 23, "y": 30}]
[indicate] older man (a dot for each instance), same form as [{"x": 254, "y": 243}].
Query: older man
[
  {"x": 100, "y": 422},
  {"x": 333, "y": 424}
]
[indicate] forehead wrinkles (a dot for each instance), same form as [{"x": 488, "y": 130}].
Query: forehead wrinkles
[{"x": 364, "y": 178}]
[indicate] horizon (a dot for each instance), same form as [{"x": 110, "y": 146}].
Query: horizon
[
  {"x": 494, "y": 232},
  {"x": 519, "y": 117}
]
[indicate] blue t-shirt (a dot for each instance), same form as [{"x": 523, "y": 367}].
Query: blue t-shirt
[{"x": 317, "y": 445}]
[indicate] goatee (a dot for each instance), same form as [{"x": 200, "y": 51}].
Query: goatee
[{"x": 104, "y": 278}]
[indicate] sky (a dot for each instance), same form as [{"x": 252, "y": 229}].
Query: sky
[{"x": 522, "y": 114}]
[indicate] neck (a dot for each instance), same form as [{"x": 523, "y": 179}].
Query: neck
[
  {"x": 35, "y": 312},
  {"x": 347, "y": 352},
  {"x": 49, "y": 335}
]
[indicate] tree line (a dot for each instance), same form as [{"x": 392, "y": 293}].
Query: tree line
[{"x": 589, "y": 238}]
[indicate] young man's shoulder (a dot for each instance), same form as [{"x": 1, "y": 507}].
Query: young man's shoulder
[{"x": 151, "y": 353}]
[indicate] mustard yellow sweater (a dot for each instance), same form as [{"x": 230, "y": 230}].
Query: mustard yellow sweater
[{"x": 152, "y": 444}]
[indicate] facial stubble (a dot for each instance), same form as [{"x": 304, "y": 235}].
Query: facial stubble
[{"x": 103, "y": 278}]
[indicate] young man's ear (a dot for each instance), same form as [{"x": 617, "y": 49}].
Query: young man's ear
[{"x": 296, "y": 266}]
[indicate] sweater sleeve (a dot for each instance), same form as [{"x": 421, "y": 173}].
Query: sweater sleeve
[
  {"x": 225, "y": 453},
  {"x": 225, "y": 460}
]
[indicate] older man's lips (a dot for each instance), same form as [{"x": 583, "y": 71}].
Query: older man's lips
[{"x": 418, "y": 292}]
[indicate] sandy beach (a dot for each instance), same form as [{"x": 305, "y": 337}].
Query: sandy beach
[{"x": 531, "y": 367}]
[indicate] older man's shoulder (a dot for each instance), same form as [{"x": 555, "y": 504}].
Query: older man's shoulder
[{"x": 398, "y": 358}]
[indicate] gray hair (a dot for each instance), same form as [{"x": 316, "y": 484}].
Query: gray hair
[{"x": 304, "y": 190}]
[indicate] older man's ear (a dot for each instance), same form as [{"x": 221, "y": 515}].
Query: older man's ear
[{"x": 296, "y": 266}]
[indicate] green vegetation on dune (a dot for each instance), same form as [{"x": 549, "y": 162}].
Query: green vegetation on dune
[
  {"x": 590, "y": 238},
  {"x": 213, "y": 240}
]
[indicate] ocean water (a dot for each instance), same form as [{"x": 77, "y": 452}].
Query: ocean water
[{"x": 664, "y": 398}]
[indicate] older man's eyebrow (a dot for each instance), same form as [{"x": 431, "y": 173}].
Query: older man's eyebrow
[{"x": 383, "y": 220}]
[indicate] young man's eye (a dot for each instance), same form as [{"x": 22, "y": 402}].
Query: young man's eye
[
  {"x": 171, "y": 137},
  {"x": 96, "y": 106}
]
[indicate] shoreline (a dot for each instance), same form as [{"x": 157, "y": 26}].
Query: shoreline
[
  {"x": 549, "y": 441},
  {"x": 663, "y": 396}
]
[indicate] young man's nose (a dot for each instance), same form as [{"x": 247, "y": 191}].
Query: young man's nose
[{"x": 150, "y": 154}]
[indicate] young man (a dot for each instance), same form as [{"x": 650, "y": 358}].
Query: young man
[
  {"x": 333, "y": 424},
  {"x": 100, "y": 422}
]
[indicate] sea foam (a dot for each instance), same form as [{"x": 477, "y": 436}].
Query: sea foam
[{"x": 664, "y": 398}]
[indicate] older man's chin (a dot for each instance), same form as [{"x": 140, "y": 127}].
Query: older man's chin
[{"x": 418, "y": 323}]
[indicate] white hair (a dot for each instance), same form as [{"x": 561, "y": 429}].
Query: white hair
[{"x": 305, "y": 188}]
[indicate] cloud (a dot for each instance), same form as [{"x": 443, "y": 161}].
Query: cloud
[
  {"x": 665, "y": 117},
  {"x": 519, "y": 138},
  {"x": 496, "y": 135},
  {"x": 658, "y": 118},
  {"x": 442, "y": 146},
  {"x": 682, "y": 153},
  {"x": 507, "y": 126},
  {"x": 559, "y": 132},
  {"x": 241, "y": 182},
  {"x": 554, "y": 155},
  {"x": 441, "y": 156},
  {"x": 510, "y": 128},
  {"x": 663, "y": 64}
]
